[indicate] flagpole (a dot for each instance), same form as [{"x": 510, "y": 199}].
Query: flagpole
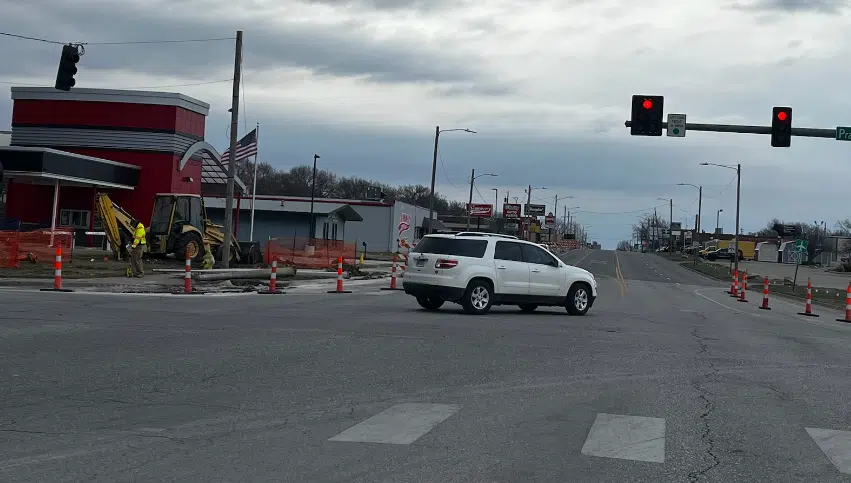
[{"x": 254, "y": 184}]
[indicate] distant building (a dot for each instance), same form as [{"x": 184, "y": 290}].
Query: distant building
[{"x": 379, "y": 224}]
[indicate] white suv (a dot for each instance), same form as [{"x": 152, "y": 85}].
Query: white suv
[{"x": 481, "y": 271}]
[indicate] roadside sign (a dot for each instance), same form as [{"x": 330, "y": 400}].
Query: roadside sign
[
  {"x": 677, "y": 125},
  {"x": 481, "y": 210},
  {"x": 550, "y": 220},
  {"x": 843, "y": 133},
  {"x": 511, "y": 210},
  {"x": 801, "y": 245},
  {"x": 535, "y": 210}
]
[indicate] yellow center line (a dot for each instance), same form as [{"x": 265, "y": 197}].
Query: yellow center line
[{"x": 619, "y": 276}]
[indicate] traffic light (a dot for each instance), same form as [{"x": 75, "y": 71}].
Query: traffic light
[
  {"x": 67, "y": 68},
  {"x": 781, "y": 127},
  {"x": 647, "y": 114}
]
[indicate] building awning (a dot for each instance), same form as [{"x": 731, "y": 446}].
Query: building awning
[
  {"x": 321, "y": 208},
  {"x": 51, "y": 166}
]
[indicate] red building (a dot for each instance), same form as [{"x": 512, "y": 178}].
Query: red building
[{"x": 67, "y": 146}]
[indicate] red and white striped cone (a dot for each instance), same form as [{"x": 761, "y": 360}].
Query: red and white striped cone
[
  {"x": 340, "y": 278},
  {"x": 392, "y": 277},
  {"x": 273, "y": 281},
  {"x": 808, "y": 310},
  {"x": 764, "y": 305},
  {"x": 57, "y": 273},
  {"x": 732, "y": 290},
  {"x": 735, "y": 290},
  {"x": 847, "y": 306},
  {"x": 744, "y": 287},
  {"x": 187, "y": 277}
]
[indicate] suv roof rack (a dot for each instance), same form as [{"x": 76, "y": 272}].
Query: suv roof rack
[{"x": 479, "y": 233}]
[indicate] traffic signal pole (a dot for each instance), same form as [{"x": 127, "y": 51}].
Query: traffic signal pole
[
  {"x": 806, "y": 132},
  {"x": 234, "y": 126}
]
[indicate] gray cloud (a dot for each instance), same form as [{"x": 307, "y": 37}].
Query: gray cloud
[
  {"x": 339, "y": 51},
  {"x": 833, "y": 7},
  {"x": 394, "y": 5}
]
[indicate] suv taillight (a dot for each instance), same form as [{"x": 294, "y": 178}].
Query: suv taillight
[{"x": 445, "y": 263}]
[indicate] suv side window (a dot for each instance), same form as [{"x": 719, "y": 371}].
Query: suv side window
[
  {"x": 537, "y": 255},
  {"x": 508, "y": 251}
]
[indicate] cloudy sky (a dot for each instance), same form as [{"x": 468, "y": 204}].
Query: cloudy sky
[{"x": 546, "y": 84}]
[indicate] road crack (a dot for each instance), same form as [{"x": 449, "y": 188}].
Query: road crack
[{"x": 708, "y": 407}]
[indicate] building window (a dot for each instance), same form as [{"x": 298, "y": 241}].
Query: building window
[
  {"x": 329, "y": 231},
  {"x": 75, "y": 218}
]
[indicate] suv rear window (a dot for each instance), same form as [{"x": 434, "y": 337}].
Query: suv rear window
[{"x": 453, "y": 247}]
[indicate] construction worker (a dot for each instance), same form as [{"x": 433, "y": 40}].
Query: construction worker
[{"x": 136, "y": 250}]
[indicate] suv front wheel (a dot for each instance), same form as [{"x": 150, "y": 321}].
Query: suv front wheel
[
  {"x": 478, "y": 298},
  {"x": 578, "y": 299}
]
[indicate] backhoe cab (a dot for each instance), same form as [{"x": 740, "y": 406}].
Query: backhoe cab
[{"x": 179, "y": 224}]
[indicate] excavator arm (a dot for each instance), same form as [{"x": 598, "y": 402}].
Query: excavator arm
[{"x": 116, "y": 221}]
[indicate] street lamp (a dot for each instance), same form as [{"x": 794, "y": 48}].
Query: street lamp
[
  {"x": 437, "y": 132},
  {"x": 718, "y": 220},
  {"x": 738, "y": 169},
  {"x": 473, "y": 178},
  {"x": 495, "y": 200},
  {"x": 312, "y": 229},
  {"x": 699, "y": 216},
  {"x": 670, "y": 222}
]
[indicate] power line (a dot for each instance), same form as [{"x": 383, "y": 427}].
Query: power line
[
  {"x": 620, "y": 212},
  {"x": 129, "y": 42},
  {"x": 132, "y": 87}
]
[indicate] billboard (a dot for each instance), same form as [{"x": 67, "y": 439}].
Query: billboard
[
  {"x": 535, "y": 210},
  {"x": 480, "y": 210},
  {"x": 511, "y": 210},
  {"x": 550, "y": 220}
]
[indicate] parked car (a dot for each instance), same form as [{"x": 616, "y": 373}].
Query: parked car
[
  {"x": 723, "y": 254},
  {"x": 479, "y": 272}
]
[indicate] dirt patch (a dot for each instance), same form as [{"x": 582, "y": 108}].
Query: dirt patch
[{"x": 84, "y": 264}]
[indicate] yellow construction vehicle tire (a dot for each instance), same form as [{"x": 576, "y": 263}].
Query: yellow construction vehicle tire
[{"x": 191, "y": 241}]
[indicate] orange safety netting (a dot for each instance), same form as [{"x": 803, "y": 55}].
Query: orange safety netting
[
  {"x": 33, "y": 246},
  {"x": 295, "y": 251}
]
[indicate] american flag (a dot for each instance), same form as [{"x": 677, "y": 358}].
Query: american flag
[{"x": 245, "y": 148}]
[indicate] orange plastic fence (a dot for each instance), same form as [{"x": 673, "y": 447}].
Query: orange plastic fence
[
  {"x": 33, "y": 246},
  {"x": 293, "y": 251}
]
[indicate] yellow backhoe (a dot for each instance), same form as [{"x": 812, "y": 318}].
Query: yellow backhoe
[{"x": 179, "y": 224}]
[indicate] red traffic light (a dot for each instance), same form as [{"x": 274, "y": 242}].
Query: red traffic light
[
  {"x": 647, "y": 104},
  {"x": 782, "y": 115}
]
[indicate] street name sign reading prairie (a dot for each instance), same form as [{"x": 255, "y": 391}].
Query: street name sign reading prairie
[
  {"x": 843, "y": 133},
  {"x": 677, "y": 125}
]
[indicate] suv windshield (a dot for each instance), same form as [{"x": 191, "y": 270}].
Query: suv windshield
[{"x": 452, "y": 246}]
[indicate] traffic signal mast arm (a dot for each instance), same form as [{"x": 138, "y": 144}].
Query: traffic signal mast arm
[{"x": 741, "y": 129}]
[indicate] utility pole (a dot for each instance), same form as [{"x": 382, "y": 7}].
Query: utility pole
[
  {"x": 670, "y": 231},
  {"x": 698, "y": 221},
  {"x": 555, "y": 213},
  {"x": 738, "y": 205},
  {"x": 528, "y": 202},
  {"x": 433, "y": 172},
  {"x": 234, "y": 126},
  {"x": 470, "y": 203}
]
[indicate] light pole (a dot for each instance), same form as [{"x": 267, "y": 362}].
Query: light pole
[
  {"x": 738, "y": 169},
  {"x": 312, "y": 229},
  {"x": 718, "y": 220},
  {"x": 670, "y": 224},
  {"x": 470, "y": 203},
  {"x": 437, "y": 132},
  {"x": 699, "y": 218},
  {"x": 566, "y": 220}
]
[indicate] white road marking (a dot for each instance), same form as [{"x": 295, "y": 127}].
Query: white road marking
[
  {"x": 400, "y": 424},
  {"x": 836, "y": 445},
  {"x": 636, "y": 438}
]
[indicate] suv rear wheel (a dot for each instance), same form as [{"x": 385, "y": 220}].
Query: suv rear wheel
[
  {"x": 578, "y": 299},
  {"x": 430, "y": 303},
  {"x": 478, "y": 298}
]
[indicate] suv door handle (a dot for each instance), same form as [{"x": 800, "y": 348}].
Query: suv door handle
[
  {"x": 535, "y": 270},
  {"x": 502, "y": 267}
]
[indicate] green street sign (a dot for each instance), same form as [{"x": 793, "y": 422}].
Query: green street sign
[
  {"x": 843, "y": 133},
  {"x": 801, "y": 245}
]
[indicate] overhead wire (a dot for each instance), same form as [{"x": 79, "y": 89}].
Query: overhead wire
[
  {"x": 128, "y": 42},
  {"x": 132, "y": 87}
]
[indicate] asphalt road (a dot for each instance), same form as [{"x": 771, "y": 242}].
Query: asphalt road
[{"x": 666, "y": 379}]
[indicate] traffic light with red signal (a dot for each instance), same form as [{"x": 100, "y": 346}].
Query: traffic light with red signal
[
  {"x": 67, "y": 67},
  {"x": 781, "y": 127},
  {"x": 647, "y": 112}
]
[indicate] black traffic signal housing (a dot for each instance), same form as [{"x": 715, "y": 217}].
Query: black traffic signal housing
[
  {"x": 647, "y": 112},
  {"x": 781, "y": 127},
  {"x": 67, "y": 67}
]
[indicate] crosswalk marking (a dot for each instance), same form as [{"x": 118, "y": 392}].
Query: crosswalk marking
[
  {"x": 634, "y": 438},
  {"x": 400, "y": 424},
  {"x": 836, "y": 445}
]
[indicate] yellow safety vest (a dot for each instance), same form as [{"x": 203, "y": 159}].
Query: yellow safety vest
[{"x": 139, "y": 236}]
